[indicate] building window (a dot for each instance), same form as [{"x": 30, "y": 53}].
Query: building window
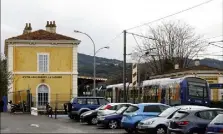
[
  {"x": 43, "y": 62},
  {"x": 43, "y": 95}
]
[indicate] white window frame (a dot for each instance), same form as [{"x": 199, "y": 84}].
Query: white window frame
[{"x": 48, "y": 66}]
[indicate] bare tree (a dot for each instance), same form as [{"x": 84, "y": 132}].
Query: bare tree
[{"x": 174, "y": 43}]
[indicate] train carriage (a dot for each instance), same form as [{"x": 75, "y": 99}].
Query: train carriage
[
  {"x": 175, "y": 91},
  {"x": 172, "y": 91}
]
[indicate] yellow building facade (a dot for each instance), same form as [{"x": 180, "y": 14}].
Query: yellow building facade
[{"x": 44, "y": 62}]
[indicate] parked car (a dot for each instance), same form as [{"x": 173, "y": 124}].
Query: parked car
[
  {"x": 137, "y": 112},
  {"x": 112, "y": 121},
  {"x": 79, "y": 105},
  {"x": 216, "y": 125},
  {"x": 159, "y": 125},
  {"x": 111, "y": 108},
  {"x": 192, "y": 121},
  {"x": 90, "y": 116}
]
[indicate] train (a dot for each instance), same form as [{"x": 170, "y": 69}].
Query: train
[{"x": 171, "y": 91}]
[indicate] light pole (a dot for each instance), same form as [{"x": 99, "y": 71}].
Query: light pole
[
  {"x": 94, "y": 64},
  {"x": 139, "y": 73}
]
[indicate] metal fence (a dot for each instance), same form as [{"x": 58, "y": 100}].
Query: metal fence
[{"x": 21, "y": 97}]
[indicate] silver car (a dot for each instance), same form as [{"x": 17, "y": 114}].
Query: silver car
[
  {"x": 159, "y": 125},
  {"x": 111, "y": 108}
]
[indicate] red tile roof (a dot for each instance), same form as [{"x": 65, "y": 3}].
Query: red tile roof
[{"x": 41, "y": 35}]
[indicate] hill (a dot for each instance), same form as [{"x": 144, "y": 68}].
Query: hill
[{"x": 109, "y": 67}]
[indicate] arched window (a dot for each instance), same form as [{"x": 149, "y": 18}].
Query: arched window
[{"x": 43, "y": 95}]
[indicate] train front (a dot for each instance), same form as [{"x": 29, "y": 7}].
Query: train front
[{"x": 195, "y": 91}]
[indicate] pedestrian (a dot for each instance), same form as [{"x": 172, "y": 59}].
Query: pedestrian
[{"x": 1, "y": 105}]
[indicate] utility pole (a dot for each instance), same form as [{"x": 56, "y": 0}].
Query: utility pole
[{"x": 124, "y": 67}]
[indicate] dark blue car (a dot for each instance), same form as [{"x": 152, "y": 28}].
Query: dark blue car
[
  {"x": 112, "y": 121},
  {"x": 79, "y": 105},
  {"x": 216, "y": 125}
]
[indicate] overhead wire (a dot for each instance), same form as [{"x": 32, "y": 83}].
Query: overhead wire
[
  {"x": 109, "y": 43},
  {"x": 172, "y": 14}
]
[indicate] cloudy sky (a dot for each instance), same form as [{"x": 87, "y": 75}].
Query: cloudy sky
[{"x": 104, "y": 19}]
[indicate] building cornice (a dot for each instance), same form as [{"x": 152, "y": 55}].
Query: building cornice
[{"x": 53, "y": 42}]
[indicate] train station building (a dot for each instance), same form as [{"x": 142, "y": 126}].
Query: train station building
[{"x": 46, "y": 63}]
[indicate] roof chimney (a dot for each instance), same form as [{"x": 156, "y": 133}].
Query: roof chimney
[
  {"x": 48, "y": 26},
  {"x": 53, "y": 27},
  {"x": 27, "y": 28}
]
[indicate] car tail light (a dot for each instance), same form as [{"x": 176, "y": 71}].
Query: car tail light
[
  {"x": 107, "y": 107},
  {"x": 183, "y": 123}
]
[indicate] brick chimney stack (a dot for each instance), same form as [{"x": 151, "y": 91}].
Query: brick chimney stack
[
  {"x": 28, "y": 28},
  {"x": 48, "y": 26},
  {"x": 51, "y": 26}
]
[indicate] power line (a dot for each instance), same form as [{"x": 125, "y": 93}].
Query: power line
[
  {"x": 171, "y": 14},
  {"x": 214, "y": 37},
  {"x": 109, "y": 43}
]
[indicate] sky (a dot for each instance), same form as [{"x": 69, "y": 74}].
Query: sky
[{"x": 103, "y": 20}]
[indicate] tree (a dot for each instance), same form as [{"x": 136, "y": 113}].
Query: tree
[
  {"x": 5, "y": 77},
  {"x": 172, "y": 43}
]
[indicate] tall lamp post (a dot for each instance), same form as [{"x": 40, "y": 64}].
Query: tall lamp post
[{"x": 94, "y": 64}]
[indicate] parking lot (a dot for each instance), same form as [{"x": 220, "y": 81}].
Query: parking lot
[{"x": 25, "y": 123}]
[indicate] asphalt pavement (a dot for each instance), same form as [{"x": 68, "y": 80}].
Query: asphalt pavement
[{"x": 26, "y": 123}]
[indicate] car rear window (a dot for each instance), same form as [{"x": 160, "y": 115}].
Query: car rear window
[
  {"x": 218, "y": 120},
  {"x": 131, "y": 109},
  {"x": 180, "y": 114}
]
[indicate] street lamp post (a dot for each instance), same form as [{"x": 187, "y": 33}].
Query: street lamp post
[
  {"x": 94, "y": 64},
  {"x": 139, "y": 73}
]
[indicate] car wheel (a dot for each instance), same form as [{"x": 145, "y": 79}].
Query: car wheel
[
  {"x": 71, "y": 116},
  {"x": 161, "y": 130},
  {"x": 94, "y": 121},
  {"x": 195, "y": 131},
  {"x": 129, "y": 131},
  {"x": 113, "y": 124}
]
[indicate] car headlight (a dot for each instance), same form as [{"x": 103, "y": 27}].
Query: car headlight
[
  {"x": 149, "y": 122},
  {"x": 87, "y": 113},
  {"x": 102, "y": 118}
]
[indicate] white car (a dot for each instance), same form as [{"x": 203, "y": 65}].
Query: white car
[{"x": 111, "y": 108}]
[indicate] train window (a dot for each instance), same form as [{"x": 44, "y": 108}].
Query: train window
[{"x": 197, "y": 89}]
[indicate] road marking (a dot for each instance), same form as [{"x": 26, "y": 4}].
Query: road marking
[{"x": 34, "y": 125}]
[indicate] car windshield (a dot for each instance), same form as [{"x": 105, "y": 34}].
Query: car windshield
[
  {"x": 168, "y": 112},
  {"x": 121, "y": 110},
  {"x": 131, "y": 109},
  {"x": 218, "y": 120}
]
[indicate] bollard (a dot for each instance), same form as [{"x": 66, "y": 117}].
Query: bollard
[
  {"x": 55, "y": 112},
  {"x": 51, "y": 112}
]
